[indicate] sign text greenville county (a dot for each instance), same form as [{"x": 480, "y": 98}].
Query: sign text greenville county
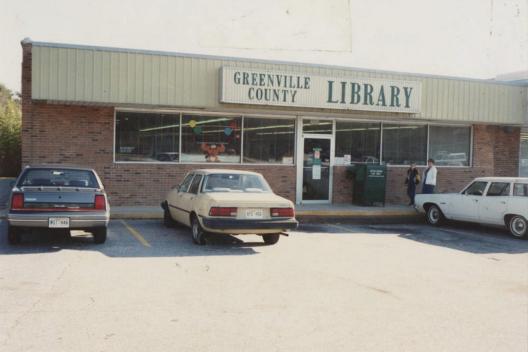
[{"x": 261, "y": 87}]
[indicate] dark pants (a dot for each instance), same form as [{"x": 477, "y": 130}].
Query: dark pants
[
  {"x": 428, "y": 189},
  {"x": 411, "y": 191}
]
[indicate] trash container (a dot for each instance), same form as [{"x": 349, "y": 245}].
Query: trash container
[{"x": 369, "y": 183}]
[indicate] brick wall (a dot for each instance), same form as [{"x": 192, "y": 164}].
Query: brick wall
[
  {"x": 83, "y": 135},
  {"x": 495, "y": 153}
]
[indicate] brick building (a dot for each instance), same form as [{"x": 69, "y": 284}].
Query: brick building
[{"x": 143, "y": 119}]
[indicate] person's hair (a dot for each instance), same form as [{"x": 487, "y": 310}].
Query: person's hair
[{"x": 431, "y": 161}]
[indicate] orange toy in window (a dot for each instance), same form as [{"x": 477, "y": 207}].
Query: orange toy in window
[{"x": 211, "y": 151}]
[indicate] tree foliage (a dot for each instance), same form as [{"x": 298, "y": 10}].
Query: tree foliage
[{"x": 10, "y": 127}]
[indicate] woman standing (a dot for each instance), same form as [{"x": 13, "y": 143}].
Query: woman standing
[{"x": 412, "y": 180}]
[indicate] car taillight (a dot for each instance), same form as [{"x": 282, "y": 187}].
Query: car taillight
[
  {"x": 100, "y": 202},
  {"x": 17, "y": 201},
  {"x": 223, "y": 211},
  {"x": 282, "y": 212}
]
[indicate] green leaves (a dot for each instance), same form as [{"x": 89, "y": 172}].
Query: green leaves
[{"x": 10, "y": 127}]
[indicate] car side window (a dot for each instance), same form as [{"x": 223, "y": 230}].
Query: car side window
[
  {"x": 498, "y": 189},
  {"x": 520, "y": 189},
  {"x": 195, "y": 184},
  {"x": 186, "y": 183},
  {"x": 476, "y": 188}
]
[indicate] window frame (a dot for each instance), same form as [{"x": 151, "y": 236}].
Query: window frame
[
  {"x": 201, "y": 176},
  {"x": 513, "y": 189},
  {"x": 484, "y": 191},
  {"x": 470, "y": 156},
  {"x": 510, "y": 188},
  {"x": 191, "y": 175},
  {"x": 414, "y": 123},
  {"x": 291, "y": 118},
  {"x": 296, "y": 118}
]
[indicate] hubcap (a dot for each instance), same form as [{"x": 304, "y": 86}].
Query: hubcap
[
  {"x": 519, "y": 226},
  {"x": 434, "y": 215}
]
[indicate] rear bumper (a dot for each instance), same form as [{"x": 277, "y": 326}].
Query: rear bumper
[
  {"x": 243, "y": 226},
  {"x": 78, "y": 220}
]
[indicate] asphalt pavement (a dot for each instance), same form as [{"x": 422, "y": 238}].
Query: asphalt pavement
[{"x": 326, "y": 287}]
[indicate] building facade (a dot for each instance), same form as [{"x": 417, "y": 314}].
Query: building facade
[{"x": 144, "y": 119}]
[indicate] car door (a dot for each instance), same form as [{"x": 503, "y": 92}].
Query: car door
[
  {"x": 494, "y": 205},
  {"x": 176, "y": 199},
  {"x": 465, "y": 207},
  {"x": 189, "y": 198}
]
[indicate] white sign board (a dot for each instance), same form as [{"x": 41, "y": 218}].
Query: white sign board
[{"x": 294, "y": 89}]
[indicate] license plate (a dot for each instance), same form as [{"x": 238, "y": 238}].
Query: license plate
[
  {"x": 58, "y": 223},
  {"x": 254, "y": 213}
]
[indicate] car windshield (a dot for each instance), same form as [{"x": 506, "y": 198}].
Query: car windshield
[
  {"x": 59, "y": 178},
  {"x": 231, "y": 182}
]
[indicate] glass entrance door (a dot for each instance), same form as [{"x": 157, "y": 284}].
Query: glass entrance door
[{"x": 316, "y": 169}]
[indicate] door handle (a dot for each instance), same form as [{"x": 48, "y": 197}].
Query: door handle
[
  {"x": 475, "y": 200},
  {"x": 503, "y": 202}
]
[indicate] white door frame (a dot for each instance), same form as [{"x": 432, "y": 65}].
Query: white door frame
[{"x": 300, "y": 163}]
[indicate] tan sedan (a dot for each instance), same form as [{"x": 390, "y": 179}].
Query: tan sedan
[{"x": 234, "y": 202}]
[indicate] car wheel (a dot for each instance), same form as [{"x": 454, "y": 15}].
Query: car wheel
[
  {"x": 518, "y": 227},
  {"x": 271, "y": 239},
  {"x": 13, "y": 235},
  {"x": 99, "y": 235},
  {"x": 168, "y": 221},
  {"x": 434, "y": 215},
  {"x": 198, "y": 232}
]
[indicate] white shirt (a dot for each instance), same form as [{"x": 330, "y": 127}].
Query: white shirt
[{"x": 431, "y": 176}]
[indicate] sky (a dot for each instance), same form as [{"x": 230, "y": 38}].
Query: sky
[{"x": 465, "y": 38}]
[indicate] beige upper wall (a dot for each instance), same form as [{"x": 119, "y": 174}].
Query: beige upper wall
[{"x": 101, "y": 75}]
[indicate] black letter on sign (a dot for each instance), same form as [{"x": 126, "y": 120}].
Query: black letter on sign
[
  {"x": 330, "y": 92},
  {"x": 367, "y": 98}
]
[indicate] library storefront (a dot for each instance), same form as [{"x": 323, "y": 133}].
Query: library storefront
[{"x": 143, "y": 119}]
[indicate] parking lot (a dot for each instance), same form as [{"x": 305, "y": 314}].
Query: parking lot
[{"x": 326, "y": 287}]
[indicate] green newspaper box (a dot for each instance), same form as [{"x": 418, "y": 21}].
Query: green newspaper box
[{"x": 369, "y": 183}]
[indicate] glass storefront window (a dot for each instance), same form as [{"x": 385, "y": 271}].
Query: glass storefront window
[
  {"x": 317, "y": 126},
  {"x": 147, "y": 137},
  {"x": 450, "y": 145},
  {"x": 403, "y": 144},
  {"x": 210, "y": 139},
  {"x": 523, "y": 154},
  {"x": 357, "y": 142},
  {"x": 269, "y": 140}
]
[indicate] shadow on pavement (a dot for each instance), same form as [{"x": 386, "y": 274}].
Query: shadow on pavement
[
  {"x": 472, "y": 238},
  {"x": 163, "y": 242},
  {"x": 467, "y": 237}
]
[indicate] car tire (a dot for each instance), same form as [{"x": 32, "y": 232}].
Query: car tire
[
  {"x": 198, "y": 233},
  {"x": 518, "y": 227},
  {"x": 168, "y": 221},
  {"x": 271, "y": 239},
  {"x": 13, "y": 235},
  {"x": 434, "y": 215},
  {"x": 99, "y": 235}
]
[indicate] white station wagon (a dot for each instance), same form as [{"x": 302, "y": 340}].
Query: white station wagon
[
  {"x": 228, "y": 202},
  {"x": 487, "y": 200}
]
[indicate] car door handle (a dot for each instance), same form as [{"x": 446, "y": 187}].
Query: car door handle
[
  {"x": 475, "y": 200},
  {"x": 503, "y": 202}
]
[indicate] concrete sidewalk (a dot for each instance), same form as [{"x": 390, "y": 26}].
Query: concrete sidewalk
[{"x": 303, "y": 212}]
